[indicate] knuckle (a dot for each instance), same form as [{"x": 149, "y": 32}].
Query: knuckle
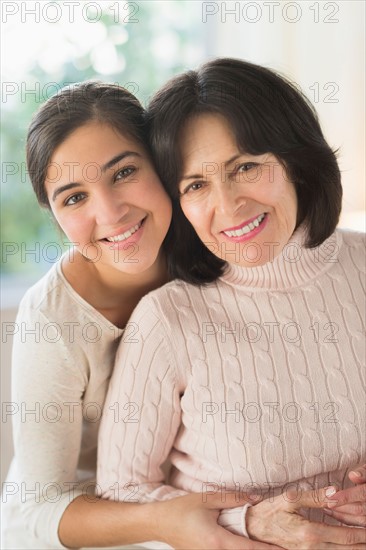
[
  {"x": 315, "y": 497},
  {"x": 353, "y": 536},
  {"x": 308, "y": 535},
  {"x": 360, "y": 508}
]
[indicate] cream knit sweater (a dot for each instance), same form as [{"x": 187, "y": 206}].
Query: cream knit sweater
[
  {"x": 255, "y": 381},
  {"x": 63, "y": 356}
]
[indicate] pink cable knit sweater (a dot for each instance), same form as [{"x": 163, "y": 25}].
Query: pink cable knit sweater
[{"x": 255, "y": 381}]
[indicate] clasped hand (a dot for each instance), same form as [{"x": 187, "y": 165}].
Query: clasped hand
[
  {"x": 349, "y": 506},
  {"x": 278, "y": 521}
]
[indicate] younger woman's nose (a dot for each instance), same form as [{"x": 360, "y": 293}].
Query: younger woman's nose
[{"x": 109, "y": 210}]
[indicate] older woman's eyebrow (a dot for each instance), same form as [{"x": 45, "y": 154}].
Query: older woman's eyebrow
[
  {"x": 103, "y": 169},
  {"x": 193, "y": 176},
  {"x": 226, "y": 164}
]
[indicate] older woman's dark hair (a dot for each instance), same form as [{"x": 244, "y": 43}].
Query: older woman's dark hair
[
  {"x": 267, "y": 113},
  {"x": 71, "y": 108}
]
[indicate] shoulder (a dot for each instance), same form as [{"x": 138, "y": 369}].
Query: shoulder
[
  {"x": 47, "y": 346},
  {"x": 352, "y": 247},
  {"x": 49, "y": 287},
  {"x": 176, "y": 296},
  {"x": 353, "y": 239},
  {"x": 178, "y": 306},
  {"x": 51, "y": 297}
]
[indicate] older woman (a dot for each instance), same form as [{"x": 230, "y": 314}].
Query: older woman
[{"x": 247, "y": 373}]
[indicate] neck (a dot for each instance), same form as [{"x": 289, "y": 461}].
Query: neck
[
  {"x": 114, "y": 281},
  {"x": 111, "y": 292},
  {"x": 294, "y": 266}
]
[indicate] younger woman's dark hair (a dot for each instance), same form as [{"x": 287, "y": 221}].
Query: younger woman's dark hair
[
  {"x": 267, "y": 114},
  {"x": 71, "y": 108}
]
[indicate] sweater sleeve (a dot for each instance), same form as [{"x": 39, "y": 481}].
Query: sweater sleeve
[
  {"x": 142, "y": 417},
  {"x": 47, "y": 390}
]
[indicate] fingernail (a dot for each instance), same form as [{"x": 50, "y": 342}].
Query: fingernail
[
  {"x": 330, "y": 491},
  {"x": 355, "y": 473},
  {"x": 328, "y": 512}
]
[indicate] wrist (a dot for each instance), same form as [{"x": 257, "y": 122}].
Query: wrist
[
  {"x": 159, "y": 521},
  {"x": 250, "y": 522},
  {"x": 244, "y": 516},
  {"x": 152, "y": 513}
]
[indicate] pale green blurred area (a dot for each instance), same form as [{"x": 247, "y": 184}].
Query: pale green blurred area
[{"x": 136, "y": 44}]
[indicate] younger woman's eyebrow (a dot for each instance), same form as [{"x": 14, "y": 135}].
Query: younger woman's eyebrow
[
  {"x": 103, "y": 169},
  {"x": 118, "y": 158},
  {"x": 63, "y": 188}
]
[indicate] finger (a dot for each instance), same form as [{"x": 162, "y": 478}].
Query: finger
[
  {"x": 315, "y": 498},
  {"x": 348, "y": 519},
  {"x": 358, "y": 475},
  {"x": 316, "y": 534},
  {"x": 342, "y": 535},
  {"x": 354, "y": 494},
  {"x": 355, "y": 509}
]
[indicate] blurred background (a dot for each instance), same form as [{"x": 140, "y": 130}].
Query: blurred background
[{"x": 46, "y": 45}]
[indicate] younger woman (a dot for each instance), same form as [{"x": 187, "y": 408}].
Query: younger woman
[{"x": 90, "y": 166}]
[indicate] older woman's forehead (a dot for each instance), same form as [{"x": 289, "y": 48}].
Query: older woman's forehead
[{"x": 206, "y": 133}]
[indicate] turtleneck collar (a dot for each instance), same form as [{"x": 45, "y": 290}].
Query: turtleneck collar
[{"x": 294, "y": 266}]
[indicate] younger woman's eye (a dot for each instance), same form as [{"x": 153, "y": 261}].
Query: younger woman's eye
[
  {"x": 74, "y": 199},
  {"x": 124, "y": 173}
]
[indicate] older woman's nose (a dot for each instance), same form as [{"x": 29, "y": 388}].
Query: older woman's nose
[{"x": 227, "y": 200}]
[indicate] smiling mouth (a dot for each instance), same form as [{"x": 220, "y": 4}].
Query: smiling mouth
[
  {"x": 247, "y": 228},
  {"x": 126, "y": 235}
]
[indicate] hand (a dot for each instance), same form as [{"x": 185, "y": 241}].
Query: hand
[
  {"x": 189, "y": 522},
  {"x": 349, "y": 506},
  {"x": 279, "y": 521}
]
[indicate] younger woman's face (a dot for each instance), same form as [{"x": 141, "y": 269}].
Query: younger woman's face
[
  {"x": 107, "y": 198},
  {"x": 242, "y": 206}
]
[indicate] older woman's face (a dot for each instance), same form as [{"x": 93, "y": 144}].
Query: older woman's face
[{"x": 242, "y": 206}]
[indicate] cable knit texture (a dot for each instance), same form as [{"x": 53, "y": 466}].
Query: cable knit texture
[{"x": 254, "y": 382}]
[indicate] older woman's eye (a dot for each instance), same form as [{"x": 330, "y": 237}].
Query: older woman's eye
[
  {"x": 246, "y": 166},
  {"x": 74, "y": 199},
  {"x": 191, "y": 188}
]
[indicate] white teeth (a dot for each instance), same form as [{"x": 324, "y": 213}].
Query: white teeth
[
  {"x": 247, "y": 228},
  {"x": 125, "y": 235}
]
